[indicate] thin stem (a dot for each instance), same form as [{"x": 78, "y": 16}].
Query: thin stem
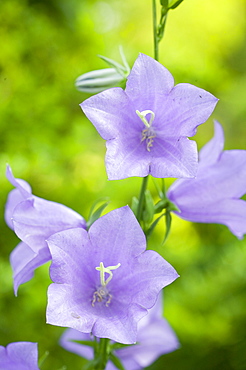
[
  {"x": 156, "y": 52},
  {"x": 102, "y": 354},
  {"x": 141, "y": 198}
]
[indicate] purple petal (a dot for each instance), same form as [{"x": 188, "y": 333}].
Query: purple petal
[
  {"x": 108, "y": 111},
  {"x": 23, "y": 187},
  {"x": 19, "y": 355},
  {"x": 120, "y": 230},
  {"x": 148, "y": 83},
  {"x": 174, "y": 158},
  {"x": 24, "y": 261},
  {"x": 36, "y": 219},
  {"x": 22, "y": 192},
  {"x": 188, "y": 107},
  {"x": 126, "y": 158},
  {"x": 211, "y": 152},
  {"x": 145, "y": 277}
]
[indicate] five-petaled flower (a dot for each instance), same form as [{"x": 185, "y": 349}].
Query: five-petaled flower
[
  {"x": 104, "y": 279},
  {"x": 34, "y": 219},
  {"x": 155, "y": 337},
  {"x": 214, "y": 195},
  {"x": 19, "y": 356},
  {"x": 147, "y": 125}
]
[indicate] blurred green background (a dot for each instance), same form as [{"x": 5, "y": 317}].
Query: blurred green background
[{"x": 44, "y": 136}]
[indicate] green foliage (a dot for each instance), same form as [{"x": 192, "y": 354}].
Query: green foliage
[{"x": 45, "y": 46}]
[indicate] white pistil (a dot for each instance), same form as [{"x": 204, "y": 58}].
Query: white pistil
[
  {"x": 142, "y": 115},
  {"x": 148, "y": 133},
  {"x": 102, "y": 294}
]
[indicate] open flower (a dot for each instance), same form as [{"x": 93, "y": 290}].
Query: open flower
[
  {"x": 104, "y": 279},
  {"x": 147, "y": 125},
  {"x": 34, "y": 219},
  {"x": 214, "y": 195},
  {"x": 154, "y": 338},
  {"x": 19, "y": 356}
]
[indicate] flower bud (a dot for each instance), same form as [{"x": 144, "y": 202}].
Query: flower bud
[{"x": 98, "y": 80}]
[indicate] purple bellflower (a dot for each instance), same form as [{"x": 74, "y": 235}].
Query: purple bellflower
[
  {"x": 214, "y": 195},
  {"x": 19, "y": 356},
  {"x": 34, "y": 219},
  {"x": 147, "y": 125},
  {"x": 154, "y": 338},
  {"x": 104, "y": 279}
]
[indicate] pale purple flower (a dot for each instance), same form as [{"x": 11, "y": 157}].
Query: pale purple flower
[
  {"x": 147, "y": 125},
  {"x": 34, "y": 219},
  {"x": 19, "y": 356},
  {"x": 104, "y": 279},
  {"x": 214, "y": 195},
  {"x": 155, "y": 337}
]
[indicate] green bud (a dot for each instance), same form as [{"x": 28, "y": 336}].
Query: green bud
[{"x": 96, "y": 81}]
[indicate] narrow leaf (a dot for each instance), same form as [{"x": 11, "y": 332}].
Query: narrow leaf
[
  {"x": 112, "y": 63},
  {"x": 89, "y": 343},
  {"x": 174, "y": 4},
  {"x": 168, "y": 225},
  {"x": 95, "y": 215},
  {"x": 126, "y": 65},
  {"x": 153, "y": 225},
  {"x": 116, "y": 361}
]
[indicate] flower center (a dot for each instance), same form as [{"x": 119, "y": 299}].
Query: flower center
[
  {"x": 102, "y": 294},
  {"x": 148, "y": 133}
]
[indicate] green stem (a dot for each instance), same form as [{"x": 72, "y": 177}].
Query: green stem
[
  {"x": 141, "y": 198},
  {"x": 102, "y": 354},
  {"x": 156, "y": 52}
]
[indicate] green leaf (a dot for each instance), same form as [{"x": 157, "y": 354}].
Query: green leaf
[
  {"x": 164, "y": 3},
  {"x": 116, "y": 361},
  {"x": 160, "y": 205},
  {"x": 95, "y": 215},
  {"x": 168, "y": 225},
  {"x": 89, "y": 343},
  {"x": 117, "y": 345},
  {"x": 123, "y": 57},
  {"x": 91, "y": 364},
  {"x": 134, "y": 206},
  {"x": 43, "y": 358},
  {"x": 152, "y": 226},
  {"x": 149, "y": 207},
  {"x": 173, "y": 4},
  {"x": 117, "y": 66}
]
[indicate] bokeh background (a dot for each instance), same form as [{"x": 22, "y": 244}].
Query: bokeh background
[{"x": 44, "y": 136}]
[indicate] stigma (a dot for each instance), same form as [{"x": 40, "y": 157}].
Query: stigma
[
  {"x": 148, "y": 134},
  {"x": 102, "y": 293}
]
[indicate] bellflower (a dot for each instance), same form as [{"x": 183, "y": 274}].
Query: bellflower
[
  {"x": 214, "y": 195},
  {"x": 154, "y": 338},
  {"x": 147, "y": 125},
  {"x": 19, "y": 356},
  {"x": 34, "y": 219},
  {"x": 104, "y": 279}
]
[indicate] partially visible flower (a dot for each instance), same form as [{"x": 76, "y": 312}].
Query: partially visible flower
[
  {"x": 147, "y": 125},
  {"x": 214, "y": 195},
  {"x": 19, "y": 356},
  {"x": 155, "y": 337},
  {"x": 34, "y": 219},
  {"x": 104, "y": 279}
]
